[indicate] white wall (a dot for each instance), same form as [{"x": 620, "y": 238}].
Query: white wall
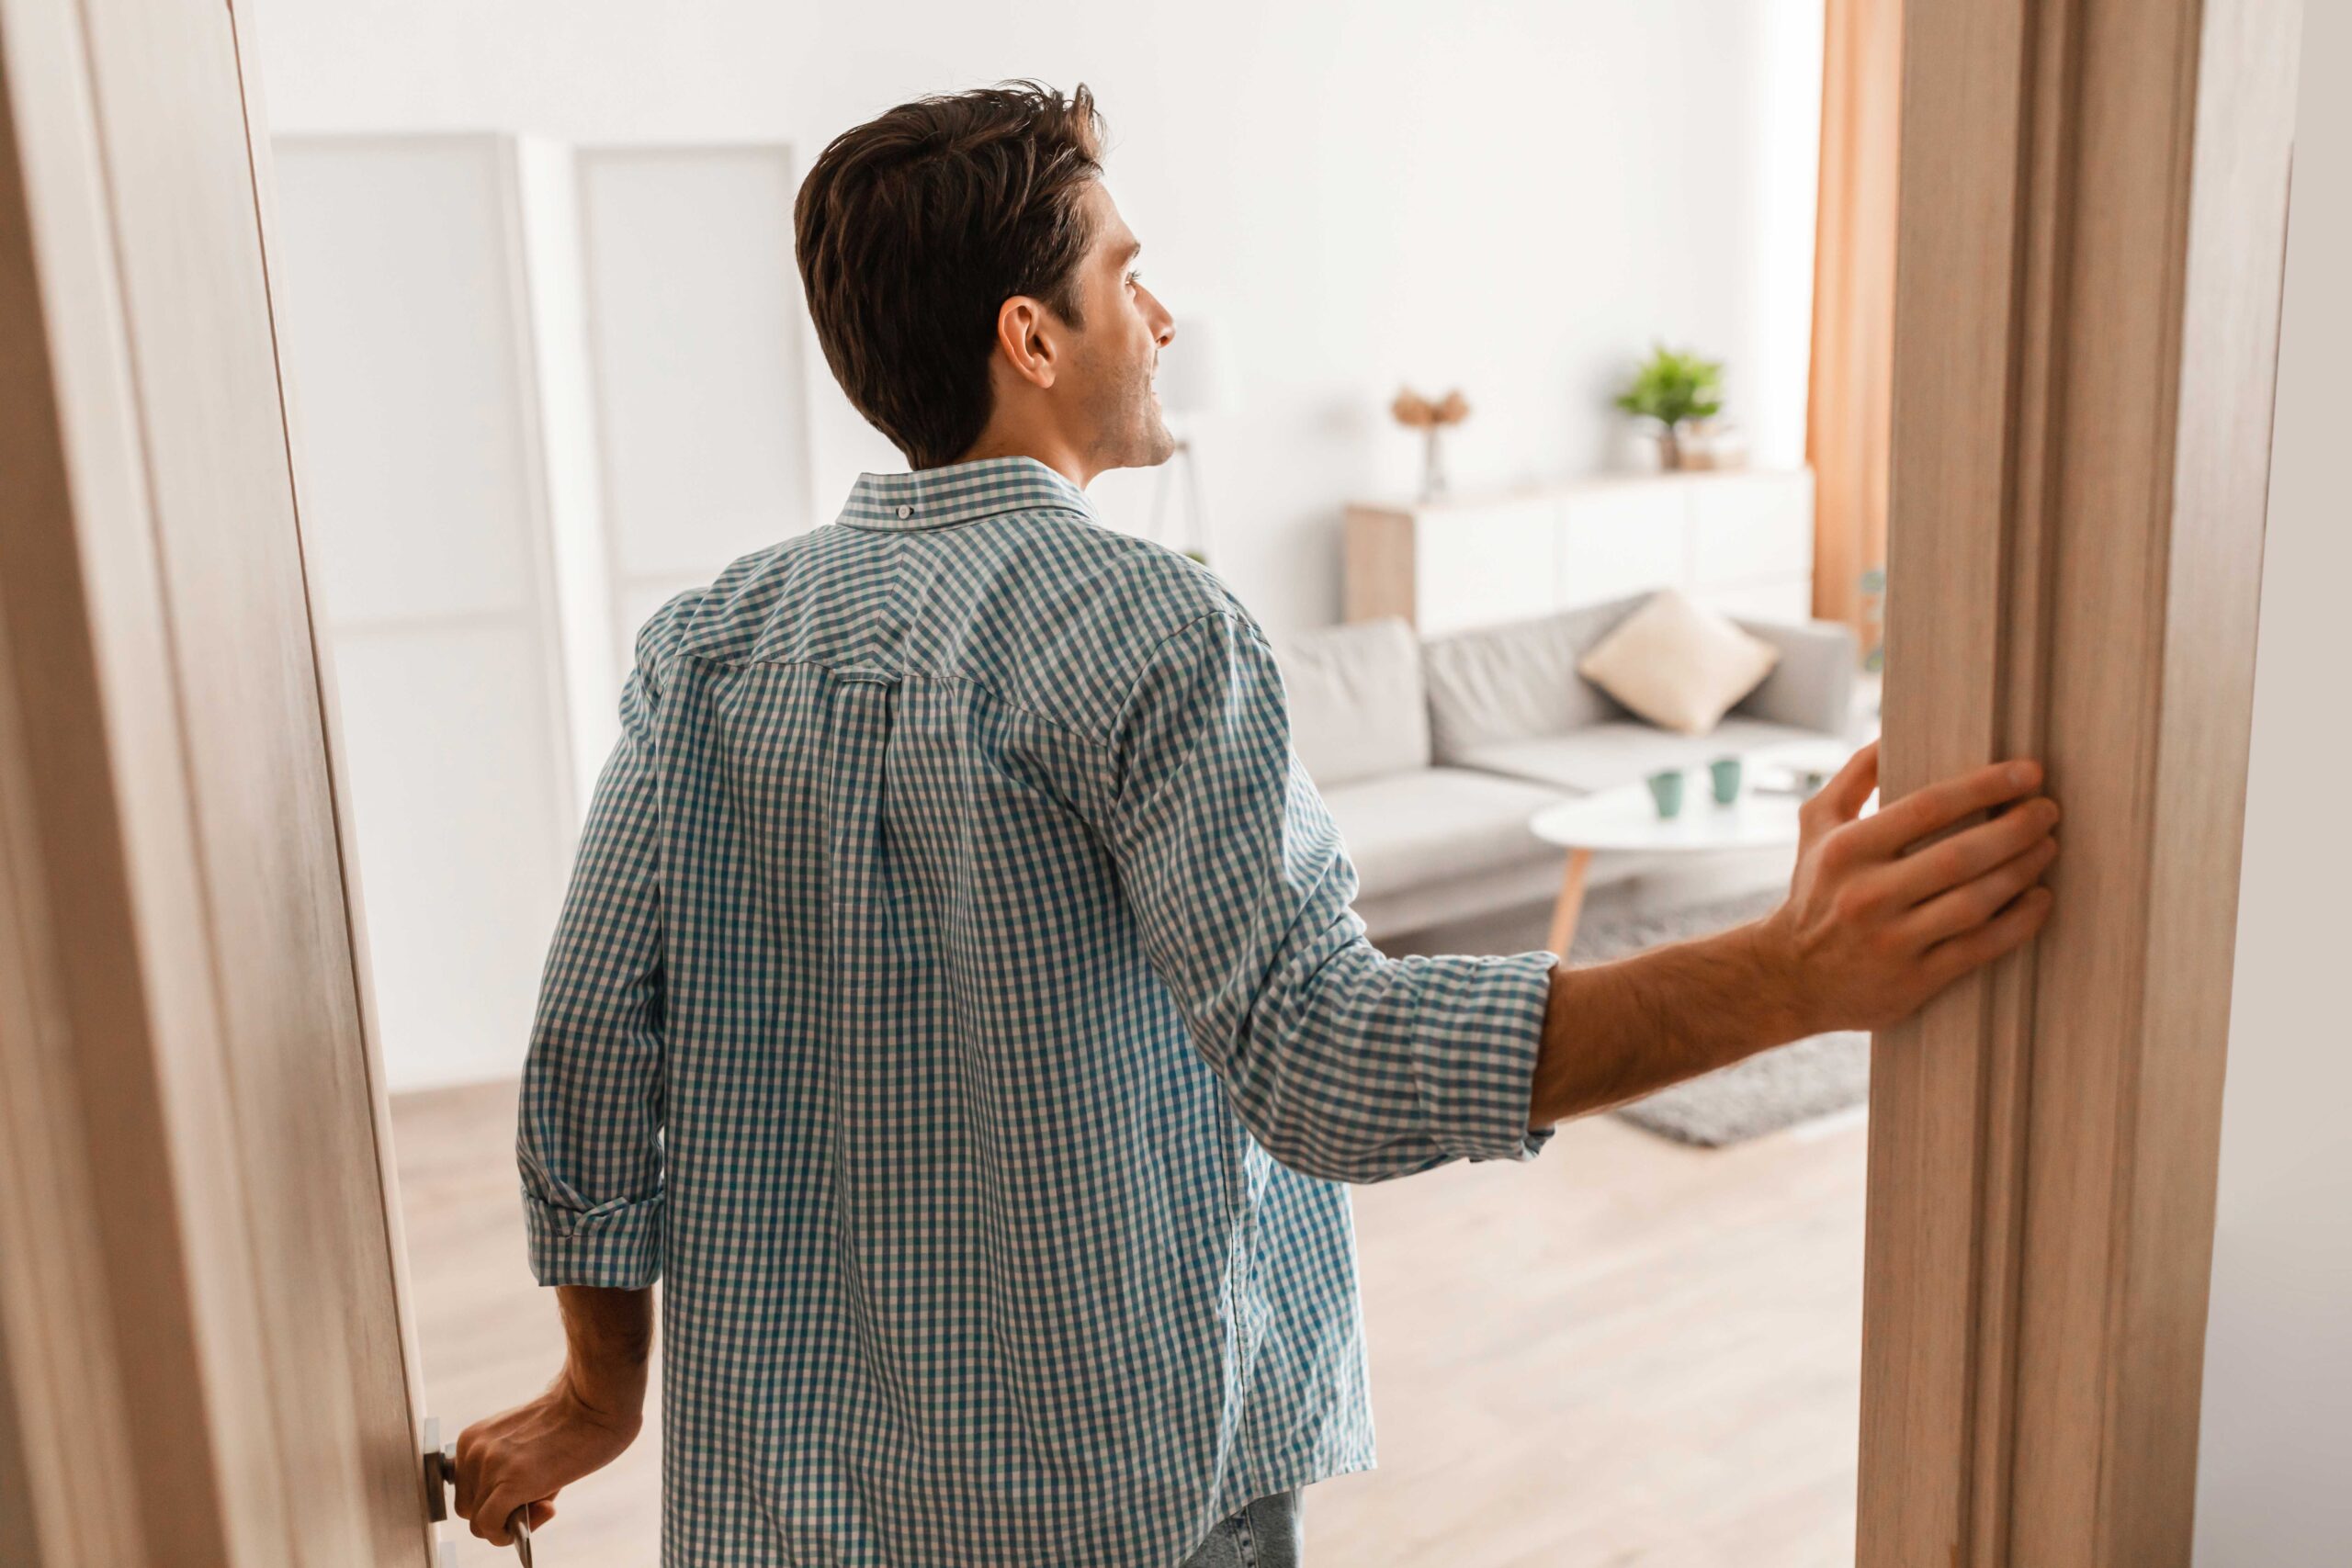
[
  {"x": 2274, "y": 1462},
  {"x": 1512, "y": 195}
]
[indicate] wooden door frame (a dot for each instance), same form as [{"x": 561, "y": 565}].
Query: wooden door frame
[
  {"x": 206, "y": 1359},
  {"x": 2091, "y": 235}
]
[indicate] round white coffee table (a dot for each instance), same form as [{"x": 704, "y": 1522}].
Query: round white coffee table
[{"x": 1626, "y": 818}]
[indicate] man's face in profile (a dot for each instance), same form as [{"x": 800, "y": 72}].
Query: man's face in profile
[{"x": 1116, "y": 355}]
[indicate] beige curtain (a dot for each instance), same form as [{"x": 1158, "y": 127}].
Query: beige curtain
[{"x": 1853, "y": 303}]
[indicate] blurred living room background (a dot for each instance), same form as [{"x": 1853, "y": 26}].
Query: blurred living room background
[{"x": 1447, "y": 280}]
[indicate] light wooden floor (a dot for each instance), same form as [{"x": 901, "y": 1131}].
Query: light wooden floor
[{"x": 1624, "y": 1353}]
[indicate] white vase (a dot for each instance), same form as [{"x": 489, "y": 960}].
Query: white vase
[{"x": 1433, "y": 482}]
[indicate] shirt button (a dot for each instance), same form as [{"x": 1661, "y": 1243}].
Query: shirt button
[{"x": 905, "y": 512}]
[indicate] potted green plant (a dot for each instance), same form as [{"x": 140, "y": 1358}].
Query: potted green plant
[{"x": 1674, "y": 389}]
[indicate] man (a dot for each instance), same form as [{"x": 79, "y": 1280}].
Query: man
[{"x": 957, "y": 1003}]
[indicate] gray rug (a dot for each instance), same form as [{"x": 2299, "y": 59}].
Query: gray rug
[{"x": 1770, "y": 1090}]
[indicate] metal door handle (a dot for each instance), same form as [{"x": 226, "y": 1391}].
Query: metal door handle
[{"x": 440, "y": 1470}]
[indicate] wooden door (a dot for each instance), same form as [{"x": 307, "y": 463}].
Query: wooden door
[
  {"x": 2092, "y": 222},
  {"x": 204, "y": 1358}
]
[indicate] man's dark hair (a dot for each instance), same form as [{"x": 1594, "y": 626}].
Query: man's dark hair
[{"x": 913, "y": 229}]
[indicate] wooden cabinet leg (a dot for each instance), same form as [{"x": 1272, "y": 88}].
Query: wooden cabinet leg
[{"x": 1571, "y": 904}]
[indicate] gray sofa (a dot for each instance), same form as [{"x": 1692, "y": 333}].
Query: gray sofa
[{"x": 1433, "y": 756}]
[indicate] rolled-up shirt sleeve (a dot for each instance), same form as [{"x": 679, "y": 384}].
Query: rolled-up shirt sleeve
[
  {"x": 588, "y": 1135},
  {"x": 1344, "y": 1064}
]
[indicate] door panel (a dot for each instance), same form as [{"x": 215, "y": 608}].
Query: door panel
[
  {"x": 407, "y": 322},
  {"x": 186, "y": 818},
  {"x": 402, "y": 322},
  {"x": 466, "y": 855}
]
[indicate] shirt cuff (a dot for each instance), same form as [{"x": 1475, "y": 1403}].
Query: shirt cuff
[
  {"x": 1478, "y": 1030},
  {"x": 616, "y": 1244}
]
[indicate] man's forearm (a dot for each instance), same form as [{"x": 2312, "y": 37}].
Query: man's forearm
[
  {"x": 1614, "y": 1032},
  {"x": 609, "y": 1344}
]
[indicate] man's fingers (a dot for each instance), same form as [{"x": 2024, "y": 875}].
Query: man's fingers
[
  {"x": 1842, "y": 799},
  {"x": 1973, "y": 902},
  {"x": 1955, "y": 862},
  {"x": 1929, "y": 811},
  {"x": 490, "y": 1520},
  {"x": 468, "y": 1468},
  {"x": 2012, "y": 929}
]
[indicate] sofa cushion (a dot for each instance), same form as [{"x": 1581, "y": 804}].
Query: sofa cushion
[
  {"x": 1519, "y": 680},
  {"x": 1358, "y": 707},
  {"x": 1678, "y": 664},
  {"x": 1411, "y": 829},
  {"x": 1813, "y": 685},
  {"x": 1603, "y": 756}
]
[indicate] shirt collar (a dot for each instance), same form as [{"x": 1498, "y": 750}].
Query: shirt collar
[{"x": 959, "y": 492}]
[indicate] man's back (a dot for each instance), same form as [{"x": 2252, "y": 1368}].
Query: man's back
[
  {"x": 958, "y": 998},
  {"x": 928, "y": 897}
]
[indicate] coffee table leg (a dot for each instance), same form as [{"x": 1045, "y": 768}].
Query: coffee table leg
[{"x": 1571, "y": 904}]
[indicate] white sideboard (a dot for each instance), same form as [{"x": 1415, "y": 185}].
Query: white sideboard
[{"x": 1740, "y": 539}]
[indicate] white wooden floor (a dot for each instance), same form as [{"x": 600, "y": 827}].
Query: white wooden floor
[{"x": 1624, "y": 1353}]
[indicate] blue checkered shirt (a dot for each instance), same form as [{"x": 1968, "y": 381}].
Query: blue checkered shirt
[{"x": 957, "y": 1006}]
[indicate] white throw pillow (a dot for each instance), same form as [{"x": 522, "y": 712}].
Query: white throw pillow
[{"x": 1679, "y": 665}]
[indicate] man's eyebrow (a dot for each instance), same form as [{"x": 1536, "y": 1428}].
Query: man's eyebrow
[{"x": 1134, "y": 249}]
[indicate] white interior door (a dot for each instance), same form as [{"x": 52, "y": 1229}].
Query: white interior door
[{"x": 409, "y": 332}]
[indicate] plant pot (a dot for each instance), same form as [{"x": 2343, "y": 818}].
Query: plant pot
[{"x": 1707, "y": 444}]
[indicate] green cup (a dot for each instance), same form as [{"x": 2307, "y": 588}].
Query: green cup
[
  {"x": 1725, "y": 774},
  {"x": 1666, "y": 789}
]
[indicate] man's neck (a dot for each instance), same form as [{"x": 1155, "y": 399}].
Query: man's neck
[{"x": 1055, "y": 454}]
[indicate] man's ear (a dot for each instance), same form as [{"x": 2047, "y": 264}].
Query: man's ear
[{"x": 1028, "y": 339}]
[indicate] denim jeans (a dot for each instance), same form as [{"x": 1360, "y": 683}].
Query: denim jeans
[{"x": 1266, "y": 1534}]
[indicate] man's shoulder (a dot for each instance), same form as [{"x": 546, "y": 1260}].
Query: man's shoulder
[
  {"x": 1050, "y": 609},
  {"x": 1098, "y": 606},
  {"x": 725, "y": 617},
  {"x": 1133, "y": 589}
]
